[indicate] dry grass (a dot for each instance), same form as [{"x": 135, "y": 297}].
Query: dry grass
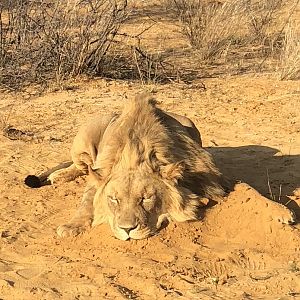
[
  {"x": 129, "y": 59},
  {"x": 55, "y": 39},
  {"x": 290, "y": 56},
  {"x": 5, "y": 117},
  {"x": 244, "y": 33},
  {"x": 210, "y": 26},
  {"x": 262, "y": 16}
]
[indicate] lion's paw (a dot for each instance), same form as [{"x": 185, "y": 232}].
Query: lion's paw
[
  {"x": 69, "y": 230},
  {"x": 285, "y": 216}
]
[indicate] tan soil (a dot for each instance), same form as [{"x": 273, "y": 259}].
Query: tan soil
[{"x": 239, "y": 250}]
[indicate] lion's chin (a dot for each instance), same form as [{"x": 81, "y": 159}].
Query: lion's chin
[
  {"x": 121, "y": 234},
  {"x": 139, "y": 234},
  {"x": 136, "y": 234}
]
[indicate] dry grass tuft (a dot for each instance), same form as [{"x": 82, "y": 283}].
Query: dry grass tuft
[
  {"x": 211, "y": 26},
  {"x": 246, "y": 33},
  {"x": 261, "y": 17},
  {"x": 55, "y": 39},
  {"x": 290, "y": 56}
]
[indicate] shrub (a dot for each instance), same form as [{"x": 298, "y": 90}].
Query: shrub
[
  {"x": 290, "y": 56},
  {"x": 210, "y": 26},
  {"x": 262, "y": 16},
  {"x": 55, "y": 39}
]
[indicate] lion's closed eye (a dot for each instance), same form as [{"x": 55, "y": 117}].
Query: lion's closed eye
[
  {"x": 148, "y": 202},
  {"x": 114, "y": 200}
]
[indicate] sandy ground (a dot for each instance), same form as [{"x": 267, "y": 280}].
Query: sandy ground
[{"x": 251, "y": 125}]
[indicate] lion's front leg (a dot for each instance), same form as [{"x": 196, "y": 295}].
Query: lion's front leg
[{"x": 83, "y": 216}]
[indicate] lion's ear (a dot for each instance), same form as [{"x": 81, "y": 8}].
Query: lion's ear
[
  {"x": 95, "y": 176},
  {"x": 172, "y": 171}
]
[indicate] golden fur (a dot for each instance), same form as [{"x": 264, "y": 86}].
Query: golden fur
[{"x": 148, "y": 166}]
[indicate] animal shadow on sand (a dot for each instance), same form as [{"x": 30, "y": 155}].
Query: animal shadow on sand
[{"x": 272, "y": 174}]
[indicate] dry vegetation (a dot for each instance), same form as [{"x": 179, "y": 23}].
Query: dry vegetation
[
  {"x": 240, "y": 29},
  {"x": 290, "y": 55},
  {"x": 54, "y": 40},
  {"x": 211, "y": 27}
]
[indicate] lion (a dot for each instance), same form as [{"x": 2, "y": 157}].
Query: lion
[{"x": 145, "y": 166}]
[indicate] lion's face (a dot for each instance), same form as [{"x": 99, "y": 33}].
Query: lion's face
[{"x": 134, "y": 204}]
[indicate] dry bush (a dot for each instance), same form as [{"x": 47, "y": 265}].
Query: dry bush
[
  {"x": 247, "y": 34},
  {"x": 290, "y": 56},
  {"x": 262, "y": 16},
  {"x": 211, "y": 26},
  {"x": 55, "y": 39},
  {"x": 152, "y": 67},
  {"x": 138, "y": 63},
  {"x": 132, "y": 60}
]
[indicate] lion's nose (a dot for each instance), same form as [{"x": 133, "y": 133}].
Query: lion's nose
[{"x": 128, "y": 228}]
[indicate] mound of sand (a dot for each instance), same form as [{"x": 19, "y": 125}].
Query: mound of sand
[{"x": 240, "y": 241}]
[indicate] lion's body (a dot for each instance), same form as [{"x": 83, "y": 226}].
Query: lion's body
[
  {"x": 145, "y": 165},
  {"x": 86, "y": 143}
]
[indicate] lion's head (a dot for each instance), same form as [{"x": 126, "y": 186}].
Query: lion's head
[
  {"x": 133, "y": 203},
  {"x": 136, "y": 203}
]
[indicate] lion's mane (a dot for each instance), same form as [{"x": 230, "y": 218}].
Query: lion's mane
[{"x": 145, "y": 138}]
